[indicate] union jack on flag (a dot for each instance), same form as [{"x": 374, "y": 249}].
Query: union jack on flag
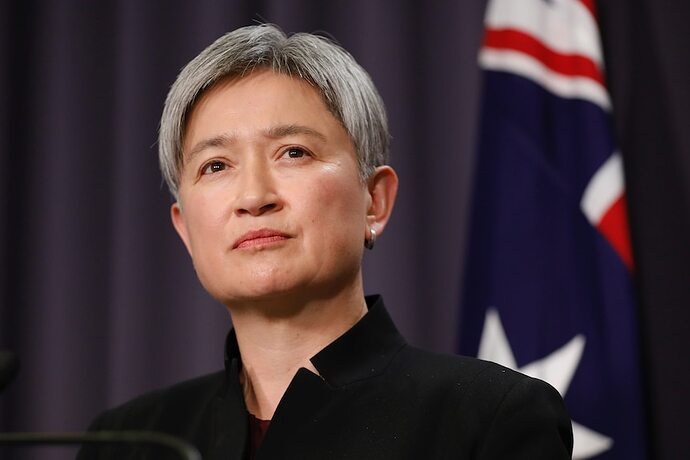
[{"x": 548, "y": 275}]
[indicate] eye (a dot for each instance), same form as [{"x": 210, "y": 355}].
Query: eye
[
  {"x": 295, "y": 152},
  {"x": 213, "y": 167}
]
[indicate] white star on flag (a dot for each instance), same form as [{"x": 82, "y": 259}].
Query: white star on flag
[{"x": 557, "y": 369}]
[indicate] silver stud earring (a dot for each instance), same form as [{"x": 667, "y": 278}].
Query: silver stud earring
[{"x": 369, "y": 242}]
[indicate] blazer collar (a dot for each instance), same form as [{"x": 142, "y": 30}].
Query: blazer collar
[{"x": 362, "y": 352}]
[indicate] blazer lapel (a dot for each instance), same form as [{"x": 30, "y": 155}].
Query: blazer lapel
[
  {"x": 296, "y": 415},
  {"x": 230, "y": 436}
]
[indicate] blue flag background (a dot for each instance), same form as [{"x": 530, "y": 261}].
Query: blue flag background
[{"x": 536, "y": 260}]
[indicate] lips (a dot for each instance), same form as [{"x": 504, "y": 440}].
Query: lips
[{"x": 260, "y": 237}]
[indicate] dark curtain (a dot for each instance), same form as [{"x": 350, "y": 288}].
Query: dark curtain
[
  {"x": 646, "y": 47},
  {"x": 98, "y": 296}
]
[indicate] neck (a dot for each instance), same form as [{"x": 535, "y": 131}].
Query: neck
[{"x": 274, "y": 346}]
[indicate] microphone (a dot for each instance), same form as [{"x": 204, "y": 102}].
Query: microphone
[
  {"x": 9, "y": 366},
  {"x": 182, "y": 449}
]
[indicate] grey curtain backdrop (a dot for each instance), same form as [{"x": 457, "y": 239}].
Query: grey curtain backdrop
[{"x": 97, "y": 294}]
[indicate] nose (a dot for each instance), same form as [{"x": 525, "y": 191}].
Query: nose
[{"x": 257, "y": 190}]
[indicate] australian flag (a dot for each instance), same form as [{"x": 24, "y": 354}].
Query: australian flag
[{"x": 548, "y": 279}]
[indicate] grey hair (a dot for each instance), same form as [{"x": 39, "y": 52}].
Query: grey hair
[{"x": 345, "y": 86}]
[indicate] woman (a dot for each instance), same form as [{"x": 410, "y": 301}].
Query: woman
[{"x": 276, "y": 152}]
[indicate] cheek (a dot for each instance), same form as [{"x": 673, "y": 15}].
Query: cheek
[
  {"x": 338, "y": 210},
  {"x": 205, "y": 225}
]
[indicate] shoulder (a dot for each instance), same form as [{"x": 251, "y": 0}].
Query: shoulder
[
  {"x": 163, "y": 408},
  {"x": 488, "y": 406},
  {"x": 459, "y": 371},
  {"x": 471, "y": 381},
  {"x": 179, "y": 410}
]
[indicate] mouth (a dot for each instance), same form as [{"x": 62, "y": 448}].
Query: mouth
[{"x": 259, "y": 238}]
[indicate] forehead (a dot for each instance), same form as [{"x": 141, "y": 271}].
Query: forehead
[
  {"x": 262, "y": 93},
  {"x": 261, "y": 85}
]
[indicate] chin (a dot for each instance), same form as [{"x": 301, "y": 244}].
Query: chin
[{"x": 257, "y": 291}]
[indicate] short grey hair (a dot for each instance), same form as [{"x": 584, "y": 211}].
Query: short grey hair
[{"x": 345, "y": 86}]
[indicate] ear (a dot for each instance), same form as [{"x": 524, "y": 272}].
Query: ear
[
  {"x": 383, "y": 187},
  {"x": 178, "y": 221}
]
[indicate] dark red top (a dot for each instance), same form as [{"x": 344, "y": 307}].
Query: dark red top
[{"x": 257, "y": 431}]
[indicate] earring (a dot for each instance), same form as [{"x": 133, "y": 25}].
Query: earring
[{"x": 369, "y": 242}]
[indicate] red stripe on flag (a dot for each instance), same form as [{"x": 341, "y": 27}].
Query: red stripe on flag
[
  {"x": 589, "y": 4},
  {"x": 567, "y": 64},
  {"x": 614, "y": 227}
]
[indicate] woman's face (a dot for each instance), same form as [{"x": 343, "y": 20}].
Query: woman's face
[{"x": 271, "y": 202}]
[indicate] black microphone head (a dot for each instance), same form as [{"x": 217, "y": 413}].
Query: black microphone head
[{"x": 9, "y": 366}]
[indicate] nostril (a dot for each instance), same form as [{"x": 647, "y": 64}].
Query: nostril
[{"x": 257, "y": 210}]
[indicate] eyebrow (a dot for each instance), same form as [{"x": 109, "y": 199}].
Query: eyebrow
[
  {"x": 215, "y": 141},
  {"x": 274, "y": 132}
]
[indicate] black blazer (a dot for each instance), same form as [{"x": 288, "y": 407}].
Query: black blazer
[{"x": 377, "y": 398}]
